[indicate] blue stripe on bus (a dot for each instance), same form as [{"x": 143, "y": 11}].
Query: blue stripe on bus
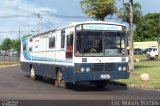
[{"x": 27, "y": 56}]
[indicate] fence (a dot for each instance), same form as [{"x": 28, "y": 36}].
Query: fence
[
  {"x": 143, "y": 45},
  {"x": 8, "y": 59}
]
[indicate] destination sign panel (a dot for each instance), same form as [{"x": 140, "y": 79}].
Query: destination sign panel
[{"x": 101, "y": 27}]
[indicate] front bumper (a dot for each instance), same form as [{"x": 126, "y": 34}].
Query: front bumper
[
  {"x": 101, "y": 71},
  {"x": 150, "y": 56},
  {"x": 101, "y": 76}
]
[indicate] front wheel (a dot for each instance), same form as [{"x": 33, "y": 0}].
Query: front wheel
[
  {"x": 156, "y": 57},
  {"x": 100, "y": 84}
]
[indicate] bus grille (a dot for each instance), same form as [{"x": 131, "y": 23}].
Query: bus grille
[{"x": 104, "y": 67}]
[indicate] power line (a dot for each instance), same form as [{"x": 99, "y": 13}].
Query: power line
[
  {"x": 46, "y": 14},
  {"x": 15, "y": 16},
  {"x": 31, "y": 15},
  {"x": 13, "y": 31}
]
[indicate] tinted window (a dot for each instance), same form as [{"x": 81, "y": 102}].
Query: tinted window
[
  {"x": 97, "y": 43},
  {"x": 154, "y": 49},
  {"x": 24, "y": 47},
  {"x": 62, "y": 39},
  {"x": 30, "y": 39},
  {"x": 36, "y": 44},
  {"x": 51, "y": 42},
  {"x": 30, "y": 49}
]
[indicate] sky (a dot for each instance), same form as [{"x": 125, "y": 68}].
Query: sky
[{"x": 23, "y": 15}]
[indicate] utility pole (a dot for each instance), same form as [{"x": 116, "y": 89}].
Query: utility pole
[
  {"x": 19, "y": 33},
  {"x": 39, "y": 19},
  {"x": 19, "y": 37},
  {"x": 158, "y": 41},
  {"x": 131, "y": 37}
]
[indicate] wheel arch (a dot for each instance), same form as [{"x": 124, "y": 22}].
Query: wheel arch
[{"x": 30, "y": 66}]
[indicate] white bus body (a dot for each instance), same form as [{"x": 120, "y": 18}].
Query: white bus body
[{"x": 88, "y": 51}]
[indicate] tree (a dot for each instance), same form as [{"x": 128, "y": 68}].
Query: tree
[
  {"x": 98, "y": 9},
  {"x": 7, "y": 44},
  {"x": 124, "y": 13},
  {"x": 131, "y": 14},
  {"x": 149, "y": 29},
  {"x": 17, "y": 45},
  {"x": 131, "y": 37}
]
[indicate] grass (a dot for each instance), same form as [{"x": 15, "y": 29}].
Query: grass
[
  {"x": 150, "y": 67},
  {"x": 7, "y": 63},
  {"x": 140, "y": 57}
]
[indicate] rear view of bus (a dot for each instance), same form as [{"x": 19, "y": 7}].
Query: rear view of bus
[{"x": 100, "y": 53}]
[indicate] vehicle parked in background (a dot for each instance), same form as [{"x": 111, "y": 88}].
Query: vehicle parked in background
[
  {"x": 13, "y": 53},
  {"x": 4, "y": 53},
  {"x": 144, "y": 51},
  {"x": 137, "y": 51},
  {"x": 9, "y": 53},
  {"x": 152, "y": 53}
]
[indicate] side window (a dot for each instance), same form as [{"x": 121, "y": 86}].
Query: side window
[
  {"x": 30, "y": 40},
  {"x": 62, "y": 39},
  {"x": 155, "y": 49},
  {"x": 30, "y": 49},
  {"x": 24, "y": 47},
  {"x": 69, "y": 52},
  {"x": 36, "y": 44},
  {"x": 70, "y": 42},
  {"x": 51, "y": 42}
]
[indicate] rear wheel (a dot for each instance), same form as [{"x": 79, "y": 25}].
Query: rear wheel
[
  {"x": 156, "y": 57},
  {"x": 59, "y": 79},
  {"x": 32, "y": 74}
]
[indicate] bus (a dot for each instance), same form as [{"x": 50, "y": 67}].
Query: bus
[{"x": 91, "y": 51}]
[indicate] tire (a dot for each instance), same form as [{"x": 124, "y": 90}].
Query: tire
[
  {"x": 156, "y": 57},
  {"x": 69, "y": 85},
  {"x": 32, "y": 74},
  {"x": 100, "y": 84},
  {"x": 59, "y": 79}
]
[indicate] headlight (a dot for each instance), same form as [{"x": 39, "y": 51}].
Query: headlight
[
  {"x": 119, "y": 68},
  {"x": 124, "y": 68},
  {"x": 78, "y": 69},
  {"x": 88, "y": 69},
  {"x": 82, "y": 69}
]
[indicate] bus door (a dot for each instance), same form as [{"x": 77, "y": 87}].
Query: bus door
[{"x": 69, "y": 51}]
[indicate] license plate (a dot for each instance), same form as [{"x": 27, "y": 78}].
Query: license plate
[{"x": 106, "y": 76}]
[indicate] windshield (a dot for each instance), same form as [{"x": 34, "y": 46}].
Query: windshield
[
  {"x": 98, "y": 43},
  {"x": 149, "y": 50}
]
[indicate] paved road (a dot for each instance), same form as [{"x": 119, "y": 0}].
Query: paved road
[{"x": 15, "y": 85}]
